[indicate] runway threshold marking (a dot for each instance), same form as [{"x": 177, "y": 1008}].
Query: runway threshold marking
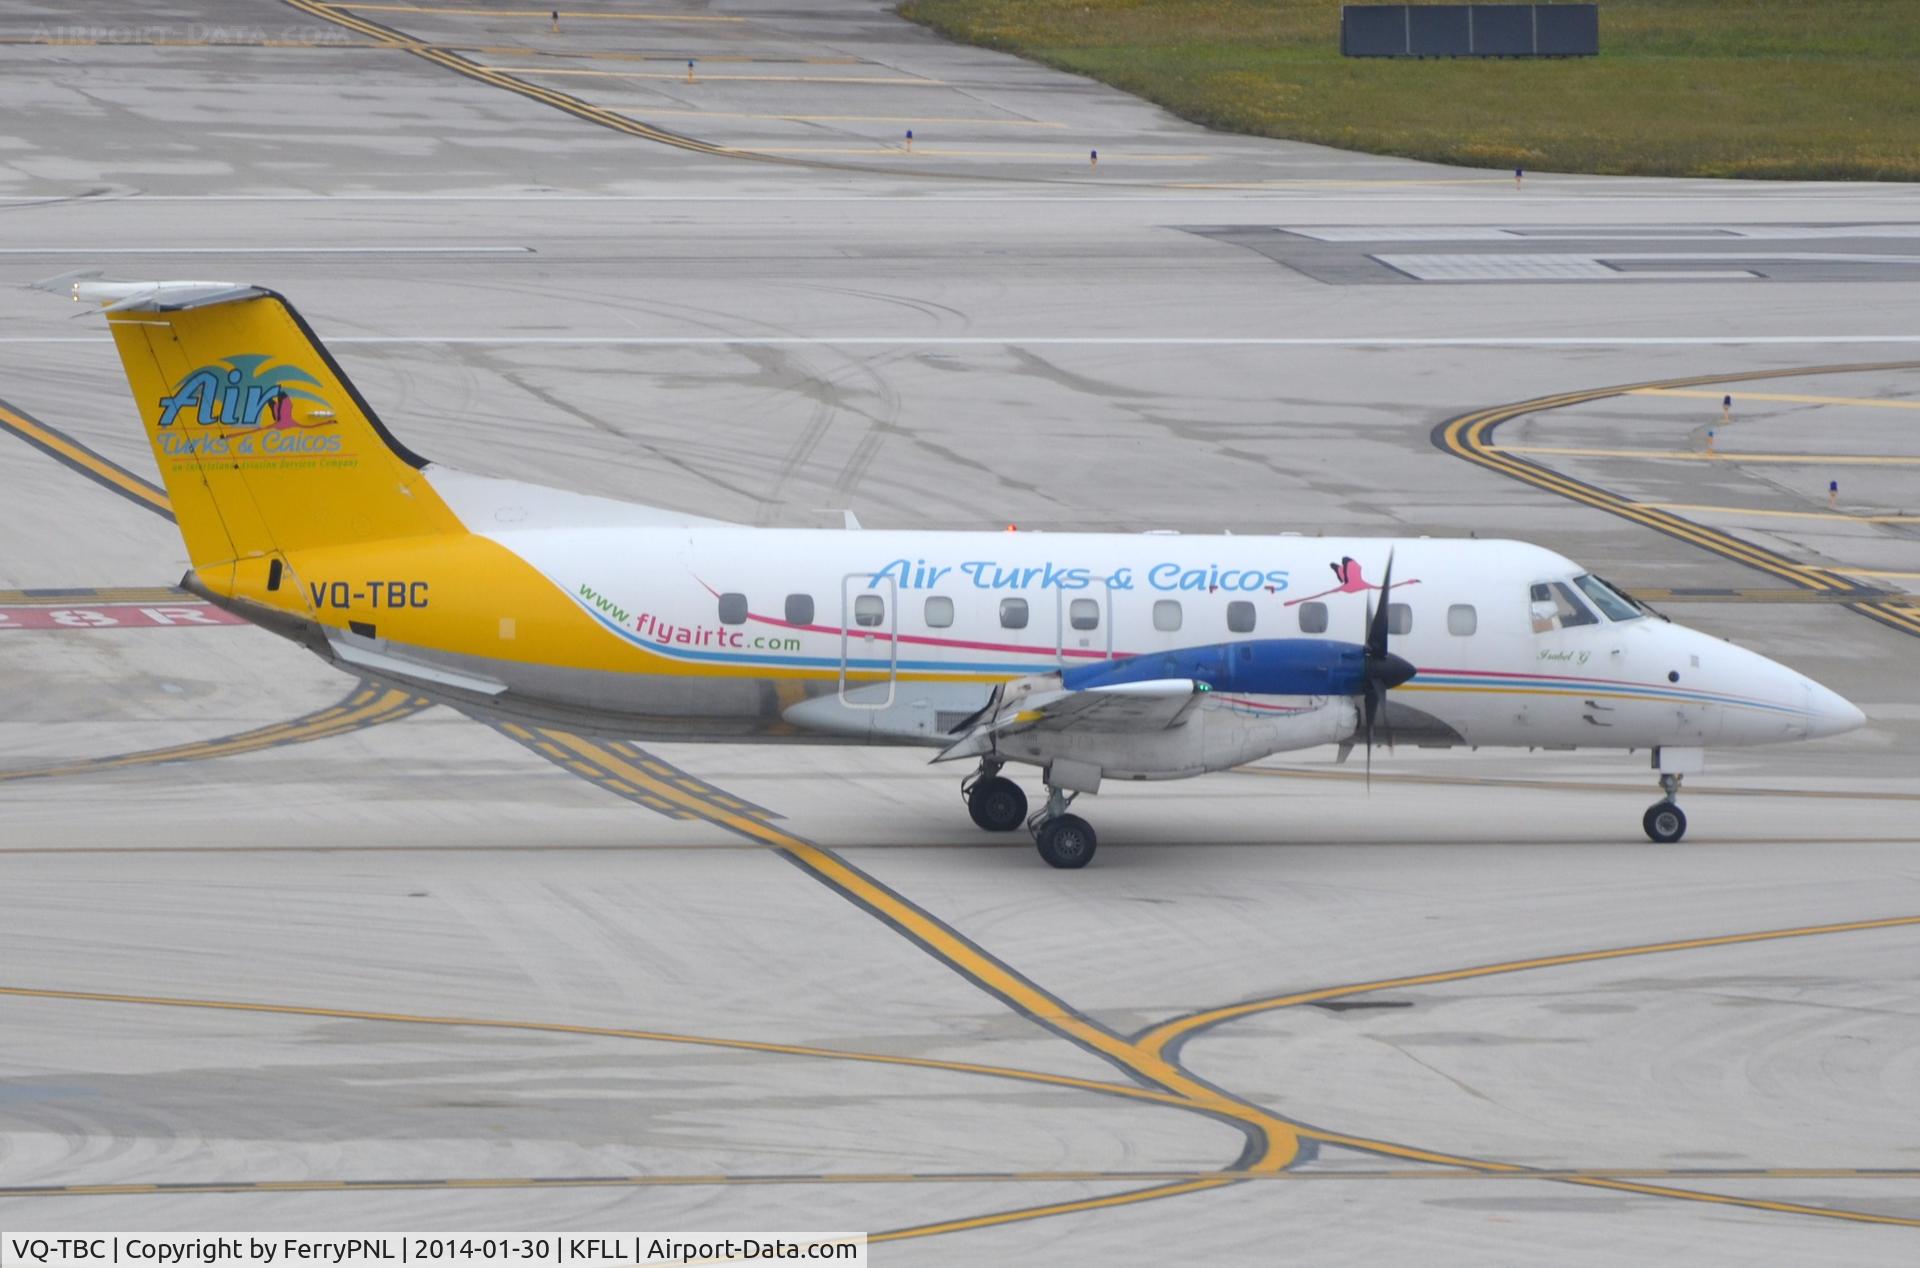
[
  {"x": 1469, "y": 436},
  {"x": 97, "y": 467},
  {"x": 365, "y": 706}
]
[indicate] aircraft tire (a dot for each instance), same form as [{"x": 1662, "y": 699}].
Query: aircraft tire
[
  {"x": 1664, "y": 822},
  {"x": 997, "y": 804},
  {"x": 1067, "y": 842}
]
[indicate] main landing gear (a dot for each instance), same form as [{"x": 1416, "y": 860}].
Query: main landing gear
[
  {"x": 1064, "y": 840},
  {"x": 997, "y": 804},
  {"x": 1664, "y": 821},
  {"x": 994, "y": 801}
]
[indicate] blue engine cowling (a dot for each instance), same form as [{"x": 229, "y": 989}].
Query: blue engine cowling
[{"x": 1257, "y": 667}]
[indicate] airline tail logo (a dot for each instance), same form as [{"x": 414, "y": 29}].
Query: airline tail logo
[{"x": 242, "y": 391}]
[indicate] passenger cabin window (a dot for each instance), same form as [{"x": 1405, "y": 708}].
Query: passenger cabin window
[
  {"x": 1462, "y": 619},
  {"x": 1240, "y": 617},
  {"x": 1399, "y": 618},
  {"x": 1166, "y": 615},
  {"x": 1013, "y": 614},
  {"x": 1617, "y": 606},
  {"x": 869, "y": 610},
  {"x": 1313, "y": 618},
  {"x": 1555, "y": 605},
  {"x": 939, "y": 612},
  {"x": 799, "y": 609},
  {"x": 733, "y": 609},
  {"x": 1084, "y": 614}
]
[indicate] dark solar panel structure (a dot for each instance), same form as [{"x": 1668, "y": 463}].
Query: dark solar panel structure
[{"x": 1470, "y": 30}]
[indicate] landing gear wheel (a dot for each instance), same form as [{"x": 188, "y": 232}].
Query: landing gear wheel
[
  {"x": 997, "y": 804},
  {"x": 1066, "y": 841},
  {"x": 1664, "y": 822}
]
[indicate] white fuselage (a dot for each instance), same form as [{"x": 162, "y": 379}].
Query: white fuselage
[{"x": 884, "y": 636}]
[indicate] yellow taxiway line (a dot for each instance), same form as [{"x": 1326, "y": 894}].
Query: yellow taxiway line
[
  {"x": 1719, "y": 455},
  {"x": 1469, "y": 436},
  {"x": 895, "y": 80},
  {"x": 366, "y": 706},
  {"x": 542, "y": 14},
  {"x": 1051, "y": 156},
  {"x": 915, "y": 120},
  {"x": 1795, "y": 398},
  {"x": 1170, "y": 1034},
  {"x": 1277, "y": 1144},
  {"x": 1791, "y": 515},
  {"x": 96, "y": 467}
]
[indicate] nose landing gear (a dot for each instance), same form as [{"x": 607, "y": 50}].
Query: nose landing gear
[{"x": 1664, "y": 821}]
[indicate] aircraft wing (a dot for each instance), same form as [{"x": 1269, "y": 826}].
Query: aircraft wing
[{"x": 1123, "y": 708}]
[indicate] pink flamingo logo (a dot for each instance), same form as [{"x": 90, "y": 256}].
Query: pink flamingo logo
[{"x": 1351, "y": 581}]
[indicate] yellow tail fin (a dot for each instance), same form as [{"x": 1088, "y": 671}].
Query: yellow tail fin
[{"x": 265, "y": 447}]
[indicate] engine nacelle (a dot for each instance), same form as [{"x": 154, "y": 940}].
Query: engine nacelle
[{"x": 1221, "y": 734}]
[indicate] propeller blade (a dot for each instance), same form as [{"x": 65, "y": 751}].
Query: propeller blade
[
  {"x": 1371, "y": 706},
  {"x": 1377, "y": 618}
]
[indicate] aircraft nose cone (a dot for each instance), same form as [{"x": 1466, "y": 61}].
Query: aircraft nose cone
[
  {"x": 1390, "y": 671},
  {"x": 1829, "y": 713}
]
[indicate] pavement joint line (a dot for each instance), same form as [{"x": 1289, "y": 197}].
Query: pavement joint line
[
  {"x": 1566, "y": 785},
  {"x": 1170, "y": 1175}
]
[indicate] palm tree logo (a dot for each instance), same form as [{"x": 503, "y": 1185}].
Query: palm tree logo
[{"x": 235, "y": 393}]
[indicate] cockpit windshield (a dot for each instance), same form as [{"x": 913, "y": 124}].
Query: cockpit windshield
[{"x": 1617, "y": 606}]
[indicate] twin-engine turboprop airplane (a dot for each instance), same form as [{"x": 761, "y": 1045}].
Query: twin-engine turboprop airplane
[{"x": 1093, "y": 657}]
